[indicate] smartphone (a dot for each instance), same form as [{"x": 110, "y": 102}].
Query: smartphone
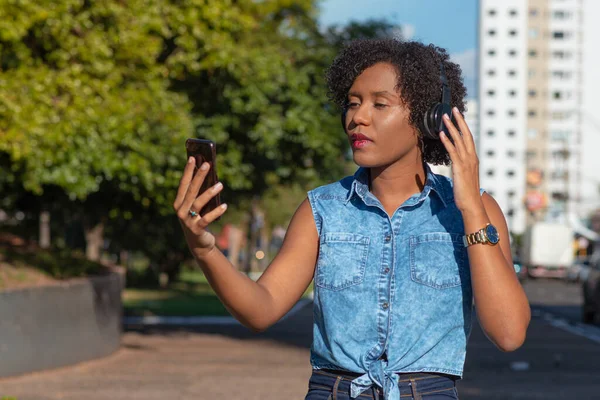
[{"x": 205, "y": 151}]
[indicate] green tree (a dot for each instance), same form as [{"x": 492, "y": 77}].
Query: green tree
[{"x": 97, "y": 98}]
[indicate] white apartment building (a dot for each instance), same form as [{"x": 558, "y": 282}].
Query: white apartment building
[
  {"x": 502, "y": 105},
  {"x": 538, "y": 75}
]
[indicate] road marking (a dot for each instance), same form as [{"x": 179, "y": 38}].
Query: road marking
[
  {"x": 199, "y": 321},
  {"x": 588, "y": 331}
]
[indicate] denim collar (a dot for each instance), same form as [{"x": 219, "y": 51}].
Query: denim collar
[{"x": 360, "y": 187}]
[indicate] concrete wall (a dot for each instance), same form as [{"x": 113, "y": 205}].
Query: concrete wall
[{"x": 57, "y": 325}]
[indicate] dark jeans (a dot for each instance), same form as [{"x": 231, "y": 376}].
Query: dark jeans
[{"x": 333, "y": 385}]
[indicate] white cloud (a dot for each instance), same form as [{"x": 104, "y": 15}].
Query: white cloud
[
  {"x": 408, "y": 31},
  {"x": 467, "y": 61}
]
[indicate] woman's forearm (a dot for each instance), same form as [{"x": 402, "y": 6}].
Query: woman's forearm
[
  {"x": 500, "y": 301},
  {"x": 248, "y": 301}
]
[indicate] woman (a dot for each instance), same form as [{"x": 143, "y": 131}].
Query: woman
[{"x": 399, "y": 255}]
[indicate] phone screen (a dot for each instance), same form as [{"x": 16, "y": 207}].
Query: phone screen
[{"x": 205, "y": 151}]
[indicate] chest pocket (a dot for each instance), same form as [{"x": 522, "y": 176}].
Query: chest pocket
[
  {"x": 439, "y": 260},
  {"x": 342, "y": 260}
]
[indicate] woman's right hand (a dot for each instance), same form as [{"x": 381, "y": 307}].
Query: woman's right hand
[{"x": 199, "y": 240}]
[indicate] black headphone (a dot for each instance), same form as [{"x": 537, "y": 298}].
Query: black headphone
[
  {"x": 433, "y": 123},
  {"x": 432, "y": 120}
]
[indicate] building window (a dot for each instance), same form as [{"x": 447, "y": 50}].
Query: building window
[
  {"x": 561, "y": 74},
  {"x": 491, "y": 12},
  {"x": 512, "y": 32},
  {"x": 511, "y": 194},
  {"x": 512, "y": 13},
  {"x": 491, "y": 52},
  {"x": 492, "y": 32},
  {"x": 532, "y": 53},
  {"x": 531, "y": 72},
  {"x": 491, "y": 113},
  {"x": 532, "y": 133},
  {"x": 558, "y": 35},
  {"x": 512, "y": 72},
  {"x": 490, "y": 153},
  {"x": 532, "y": 93},
  {"x": 490, "y": 172},
  {"x": 491, "y": 93},
  {"x": 512, "y": 113},
  {"x": 533, "y": 12},
  {"x": 510, "y": 173},
  {"x": 512, "y": 52},
  {"x": 533, "y": 33},
  {"x": 491, "y": 72},
  {"x": 512, "y": 93},
  {"x": 530, "y": 155},
  {"x": 490, "y": 133},
  {"x": 560, "y": 54},
  {"x": 511, "y": 133},
  {"x": 556, "y": 95},
  {"x": 531, "y": 113},
  {"x": 510, "y": 213},
  {"x": 510, "y": 153},
  {"x": 560, "y": 14},
  {"x": 559, "y": 135}
]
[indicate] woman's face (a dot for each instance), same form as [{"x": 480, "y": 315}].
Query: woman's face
[{"x": 377, "y": 120}]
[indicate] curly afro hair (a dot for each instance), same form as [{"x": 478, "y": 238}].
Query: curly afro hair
[{"x": 418, "y": 69}]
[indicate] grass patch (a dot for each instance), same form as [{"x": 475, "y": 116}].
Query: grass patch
[
  {"x": 191, "y": 295},
  {"x": 171, "y": 302}
]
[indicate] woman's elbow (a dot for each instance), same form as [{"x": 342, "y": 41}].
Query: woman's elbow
[
  {"x": 512, "y": 341},
  {"x": 257, "y": 326}
]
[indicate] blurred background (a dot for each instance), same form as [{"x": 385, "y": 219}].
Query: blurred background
[{"x": 98, "y": 97}]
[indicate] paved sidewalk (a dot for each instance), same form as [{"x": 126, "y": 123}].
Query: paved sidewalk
[{"x": 229, "y": 362}]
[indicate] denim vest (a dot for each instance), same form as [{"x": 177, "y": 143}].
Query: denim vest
[{"x": 392, "y": 294}]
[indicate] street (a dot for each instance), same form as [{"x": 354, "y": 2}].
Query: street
[{"x": 560, "y": 360}]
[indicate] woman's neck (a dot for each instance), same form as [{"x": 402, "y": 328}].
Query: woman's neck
[{"x": 397, "y": 182}]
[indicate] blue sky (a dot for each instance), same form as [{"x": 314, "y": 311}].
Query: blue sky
[{"x": 440, "y": 22}]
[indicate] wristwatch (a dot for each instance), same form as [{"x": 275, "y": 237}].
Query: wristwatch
[{"x": 486, "y": 235}]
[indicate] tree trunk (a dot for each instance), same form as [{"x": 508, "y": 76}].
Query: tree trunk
[
  {"x": 44, "y": 229},
  {"x": 94, "y": 240}
]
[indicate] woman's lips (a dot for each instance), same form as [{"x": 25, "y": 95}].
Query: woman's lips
[
  {"x": 359, "y": 140},
  {"x": 359, "y": 144}
]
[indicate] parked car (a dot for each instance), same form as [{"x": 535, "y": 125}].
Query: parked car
[
  {"x": 579, "y": 271},
  {"x": 591, "y": 292}
]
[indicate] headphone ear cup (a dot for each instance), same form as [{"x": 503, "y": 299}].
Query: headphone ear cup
[{"x": 433, "y": 121}]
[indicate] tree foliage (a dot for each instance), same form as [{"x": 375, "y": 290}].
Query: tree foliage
[{"x": 97, "y": 99}]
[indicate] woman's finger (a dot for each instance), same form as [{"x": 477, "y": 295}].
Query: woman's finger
[
  {"x": 212, "y": 216},
  {"x": 450, "y": 148},
  {"x": 192, "y": 190},
  {"x": 456, "y": 136},
  {"x": 184, "y": 183},
  {"x": 466, "y": 132},
  {"x": 205, "y": 197}
]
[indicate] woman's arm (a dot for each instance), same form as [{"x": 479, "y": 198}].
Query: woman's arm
[
  {"x": 501, "y": 304},
  {"x": 258, "y": 305}
]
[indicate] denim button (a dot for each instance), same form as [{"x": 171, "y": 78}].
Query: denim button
[
  {"x": 387, "y": 270},
  {"x": 388, "y": 238},
  {"x": 385, "y": 306}
]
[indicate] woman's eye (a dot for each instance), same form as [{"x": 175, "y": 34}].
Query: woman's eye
[
  {"x": 353, "y": 105},
  {"x": 380, "y": 105}
]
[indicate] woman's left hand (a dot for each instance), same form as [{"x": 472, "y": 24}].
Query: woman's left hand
[{"x": 465, "y": 164}]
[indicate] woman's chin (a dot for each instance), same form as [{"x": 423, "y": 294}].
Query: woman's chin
[{"x": 364, "y": 160}]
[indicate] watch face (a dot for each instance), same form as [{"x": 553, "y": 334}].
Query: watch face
[{"x": 492, "y": 234}]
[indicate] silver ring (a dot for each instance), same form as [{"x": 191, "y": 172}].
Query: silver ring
[{"x": 193, "y": 213}]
